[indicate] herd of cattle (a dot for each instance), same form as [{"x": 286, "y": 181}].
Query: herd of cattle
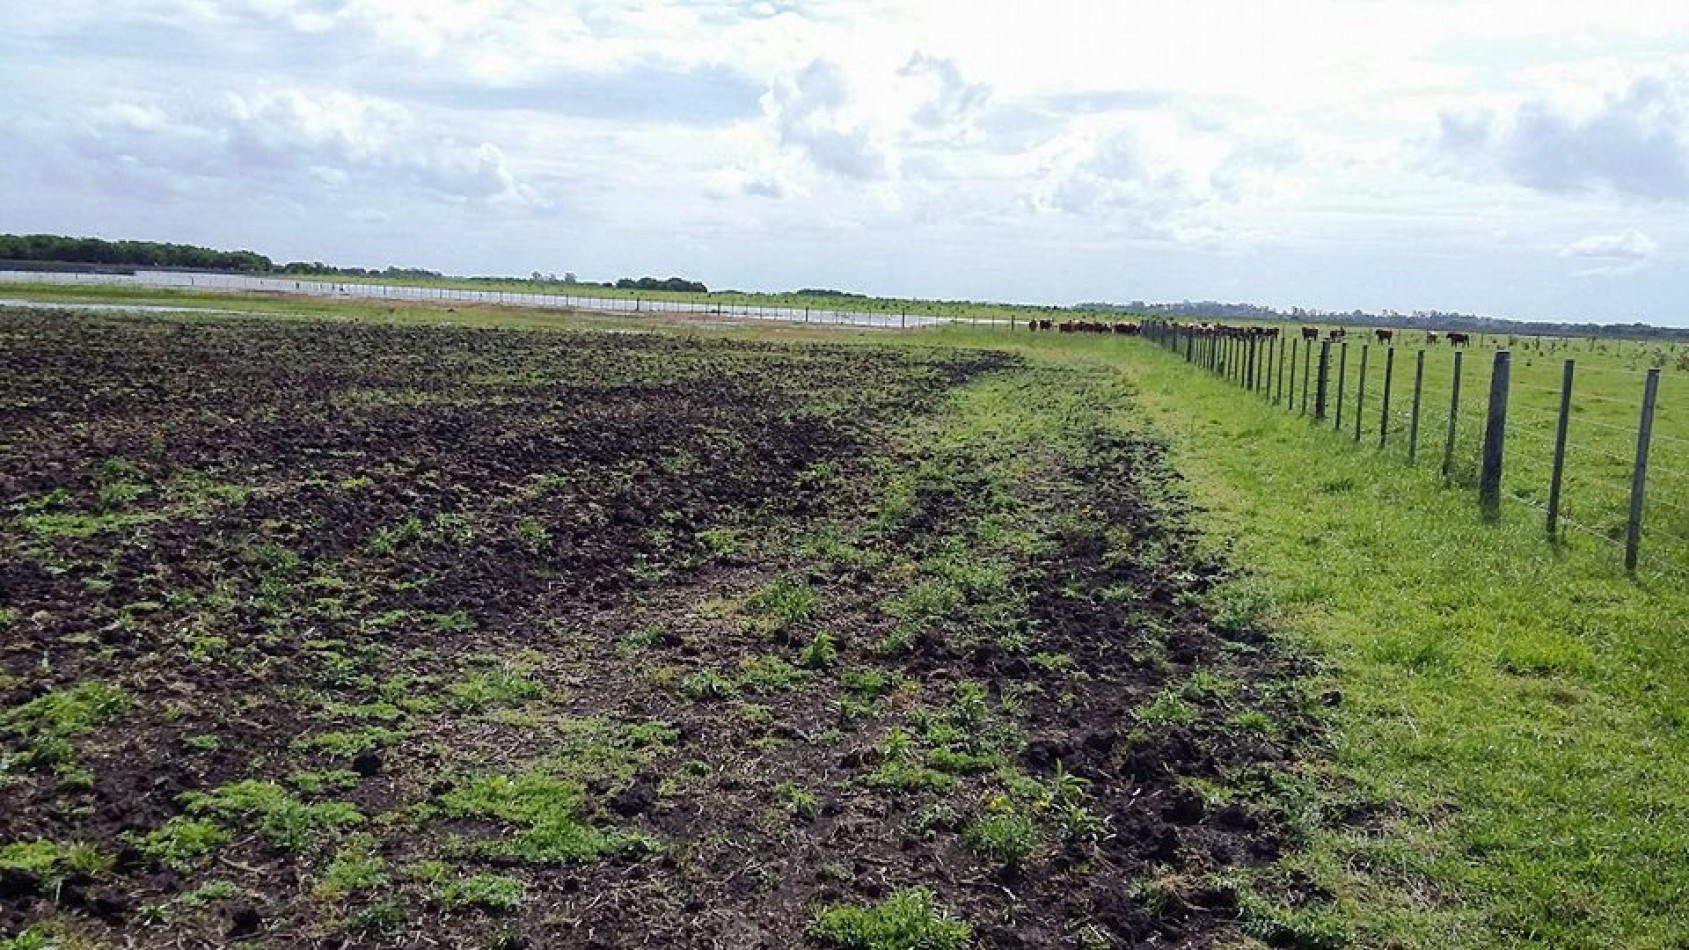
[{"x": 1455, "y": 338}]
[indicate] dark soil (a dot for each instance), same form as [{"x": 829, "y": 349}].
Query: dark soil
[{"x": 379, "y": 565}]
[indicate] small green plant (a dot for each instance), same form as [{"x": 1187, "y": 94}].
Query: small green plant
[
  {"x": 708, "y": 684},
  {"x": 643, "y": 638},
  {"x": 354, "y": 869},
  {"x": 48, "y": 722},
  {"x": 380, "y": 919},
  {"x": 769, "y": 674},
  {"x": 784, "y": 603},
  {"x": 867, "y": 683},
  {"x": 387, "y": 540},
  {"x": 182, "y": 842},
  {"x": 909, "y": 919},
  {"x": 347, "y": 743},
  {"x": 493, "y": 892},
  {"x": 797, "y": 802},
  {"x": 52, "y": 861},
  {"x": 546, "y": 809},
  {"x": 820, "y": 653},
  {"x": 532, "y": 533},
  {"x": 272, "y": 811},
  {"x": 485, "y": 689},
  {"x": 1007, "y": 839}
]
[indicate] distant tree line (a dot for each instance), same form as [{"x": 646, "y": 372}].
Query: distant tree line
[
  {"x": 53, "y": 248},
  {"x": 676, "y": 284},
  {"x": 319, "y": 269},
  {"x": 824, "y": 292}
]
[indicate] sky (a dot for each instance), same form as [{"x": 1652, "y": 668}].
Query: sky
[{"x": 1522, "y": 158}]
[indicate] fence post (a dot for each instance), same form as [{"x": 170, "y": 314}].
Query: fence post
[
  {"x": 1454, "y": 415},
  {"x": 1560, "y": 450},
  {"x": 1307, "y": 358},
  {"x": 1342, "y": 378},
  {"x": 1495, "y": 434},
  {"x": 1389, "y": 378},
  {"x": 1639, "y": 479},
  {"x": 1360, "y": 394},
  {"x": 1413, "y": 422},
  {"x": 1324, "y": 380},
  {"x": 1278, "y": 379},
  {"x": 1249, "y": 371}
]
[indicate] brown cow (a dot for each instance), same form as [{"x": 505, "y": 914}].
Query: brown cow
[
  {"x": 1459, "y": 339},
  {"x": 1384, "y": 336},
  {"x": 1431, "y": 338},
  {"x": 1310, "y": 333},
  {"x": 1337, "y": 333}
]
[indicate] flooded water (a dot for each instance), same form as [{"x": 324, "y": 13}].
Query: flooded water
[{"x": 235, "y": 283}]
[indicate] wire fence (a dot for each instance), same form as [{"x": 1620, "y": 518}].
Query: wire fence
[
  {"x": 892, "y": 314},
  {"x": 1586, "y": 439}
]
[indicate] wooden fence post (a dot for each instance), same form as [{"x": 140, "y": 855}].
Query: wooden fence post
[
  {"x": 1342, "y": 379},
  {"x": 1495, "y": 435},
  {"x": 1307, "y": 358},
  {"x": 1278, "y": 378},
  {"x": 1559, "y": 469},
  {"x": 1384, "y": 414},
  {"x": 1454, "y": 416},
  {"x": 1324, "y": 380},
  {"x": 1360, "y": 394},
  {"x": 1413, "y": 421},
  {"x": 1639, "y": 478}
]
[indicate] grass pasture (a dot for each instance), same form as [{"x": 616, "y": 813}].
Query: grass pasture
[{"x": 1609, "y": 377}]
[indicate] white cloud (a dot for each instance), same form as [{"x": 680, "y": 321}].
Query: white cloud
[
  {"x": 1612, "y": 255},
  {"x": 810, "y": 114},
  {"x": 279, "y": 137},
  {"x": 1634, "y": 143}
]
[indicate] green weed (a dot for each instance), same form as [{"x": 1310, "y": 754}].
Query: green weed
[{"x": 909, "y": 919}]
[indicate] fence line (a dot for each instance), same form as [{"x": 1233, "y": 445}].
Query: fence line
[{"x": 1588, "y": 473}]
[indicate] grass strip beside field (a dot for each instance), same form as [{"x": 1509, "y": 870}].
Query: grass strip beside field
[{"x": 1510, "y": 763}]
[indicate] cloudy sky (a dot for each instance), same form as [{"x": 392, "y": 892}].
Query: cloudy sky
[{"x": 1524, "y": 158}]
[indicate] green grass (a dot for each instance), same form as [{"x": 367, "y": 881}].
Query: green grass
[
  {"x": 547, "y": 812},
  {"x": 1513, "y": 714},
  {"x": 909, "y": 919},
  {"x": 45, "y": 725},
  {"x": 274, "y": 813},
  {"x": 493, "y": 892}
]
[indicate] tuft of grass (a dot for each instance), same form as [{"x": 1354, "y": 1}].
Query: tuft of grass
[
  {"x": 493, "y": 892},
  {"x": 182, "y": 842},
  {"x": 355, "y": 869},
  {"x": 1007, "y": 839},
  {"x": 52, "y": 861},
  {"x": 820, "y": 653},
  {"x": 274, "y": 813},
  {"x": 47, "y": 723},
  {"x": 481, "y": 690},
  {"x": 783, "y": 603},
  {"x": 548, "y": 813},
  {"x": 708, "y": 684},
  {"x": 910, "y": 919}
]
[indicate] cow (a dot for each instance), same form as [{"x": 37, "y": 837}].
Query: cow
[
  {"x": 1310, "y": 333},
  {"x": 1384, "y": 336},
  {"x": 1431, "y": 338},
  {"x": 1337, "y": 333},
  {"x": 1459, "y": 339},
  {"x": 1045, "y": 324}
]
